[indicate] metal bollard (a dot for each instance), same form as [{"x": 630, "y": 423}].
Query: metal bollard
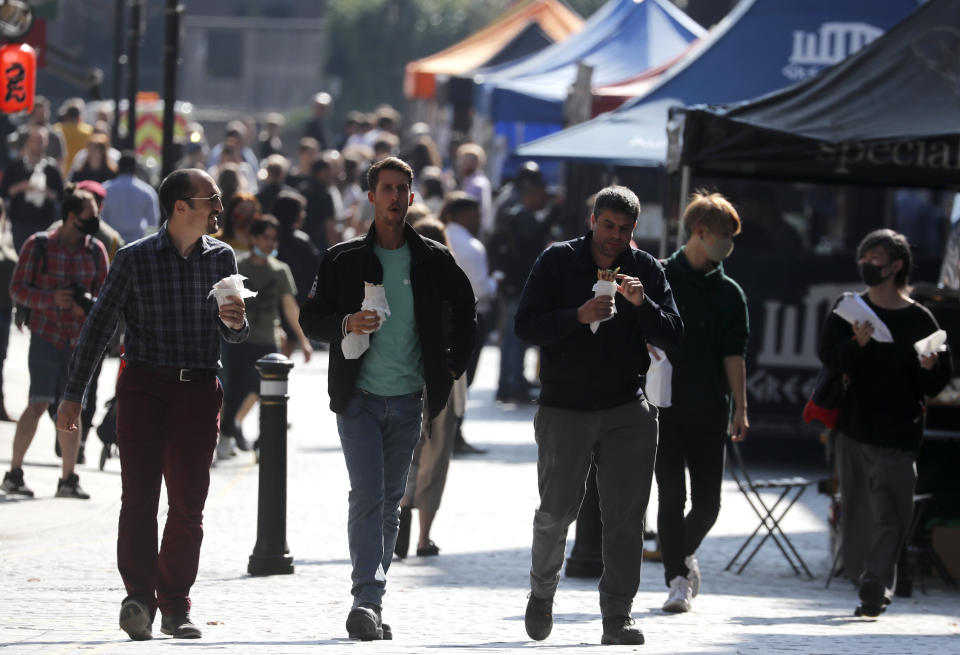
[{"x": 271, "y": 555}]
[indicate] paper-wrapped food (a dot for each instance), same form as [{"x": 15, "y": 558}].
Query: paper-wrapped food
[
  {"x": 853, "y": 309},
  {"x": 933, "y": 343},
  {"x": 606, "y": 286},
  {"x": 659, "y": 382},
  {"x": 230, "y": 286},
  {"x": 374, "y": 298}
]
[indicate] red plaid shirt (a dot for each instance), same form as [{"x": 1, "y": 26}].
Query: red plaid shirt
[{"x": 64, "y": 268}]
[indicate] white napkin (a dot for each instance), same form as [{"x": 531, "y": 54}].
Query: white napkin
[
  {"x": 232, "y": 285},
  {"x": 603, "y": 288},
  {"x": 375, "y": 298},
  {"x": 659, "y": 388},
  {"x": 934, "y": 343},
  {"x": 853, "y": 309}
]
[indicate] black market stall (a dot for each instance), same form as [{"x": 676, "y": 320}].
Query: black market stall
[{"x": 888, "y": 116}]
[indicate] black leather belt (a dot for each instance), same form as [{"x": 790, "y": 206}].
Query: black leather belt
[{"x": 177, "y": 374}]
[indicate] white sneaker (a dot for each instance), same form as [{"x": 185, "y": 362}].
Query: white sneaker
[
  {"x": 679, "y": 598},
  {"x": 225, "y": 448},
  {"x": 693, "y": 574}
]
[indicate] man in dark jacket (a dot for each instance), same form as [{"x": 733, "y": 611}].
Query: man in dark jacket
[
  {"x": 378, "y": 395},
  {"x": 590, "y": 402}
]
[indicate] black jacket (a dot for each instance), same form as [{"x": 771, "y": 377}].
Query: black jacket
[
  {"x": 580, "y": 369},
  {"x": 436, "y": 280}
]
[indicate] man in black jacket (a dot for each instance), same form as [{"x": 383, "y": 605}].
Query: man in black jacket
[
  {"x": 590, "y": 402},
  {"x": 378, "y": 395}
]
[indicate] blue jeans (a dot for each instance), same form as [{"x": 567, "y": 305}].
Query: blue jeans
[
  {"x": 512, "y": 352},
  {"x": 378, "y": 435}
]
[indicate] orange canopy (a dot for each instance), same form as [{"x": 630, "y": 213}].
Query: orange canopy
[{"x": 555, "y": 19}]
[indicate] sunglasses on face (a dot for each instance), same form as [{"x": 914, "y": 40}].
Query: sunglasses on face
[{"x": 213, "y": 199}]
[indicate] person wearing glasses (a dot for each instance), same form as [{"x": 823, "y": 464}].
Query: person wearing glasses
[{"x": 168, "y": 395}]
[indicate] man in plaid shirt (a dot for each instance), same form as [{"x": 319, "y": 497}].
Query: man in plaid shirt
[
  {"x": 54, "y": 273},
  {"x": 168, "y": 396}
]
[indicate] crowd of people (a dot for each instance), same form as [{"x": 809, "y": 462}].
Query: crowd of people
[{"x": 403, "y": 264}]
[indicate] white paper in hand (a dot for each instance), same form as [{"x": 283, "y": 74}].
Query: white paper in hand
[
  {"x": 853, "y": 309},
  {"x": 659, "y": 387},
  {"x": 934, "y": 343},
  {"x": 603, "y": 288},
  {"x": 374, "y": 298},
  {"x": 232, "y": 285}
]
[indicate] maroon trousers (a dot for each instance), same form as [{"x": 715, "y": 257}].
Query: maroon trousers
[{"x": 165, "y": 429}]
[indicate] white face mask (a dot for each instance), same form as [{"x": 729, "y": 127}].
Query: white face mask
[{"x": 719, "y": 250}]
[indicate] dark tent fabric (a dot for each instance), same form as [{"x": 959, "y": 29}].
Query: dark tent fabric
[
  {"x": 532, "y": 39},
  {"x": 621, "y": 40},
  {"x": 889, "y": 115},
  {"x": 762, "y": 45}
]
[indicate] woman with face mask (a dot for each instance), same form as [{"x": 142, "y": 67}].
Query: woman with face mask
[
  {"x": 709, "y": 372},
  {"x": 880, "y": 424}
]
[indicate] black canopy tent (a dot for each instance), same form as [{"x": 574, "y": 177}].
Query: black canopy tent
[{"x": 887, "y": 115}]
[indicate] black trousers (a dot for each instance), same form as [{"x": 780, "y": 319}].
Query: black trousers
[{"x": 699, "y": 448}]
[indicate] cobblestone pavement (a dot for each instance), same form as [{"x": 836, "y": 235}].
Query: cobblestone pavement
[{"x": 60, "y": 591}]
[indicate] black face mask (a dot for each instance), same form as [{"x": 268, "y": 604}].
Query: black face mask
[
  {"x": 90, "y": 226},
  {"x": 872, "y": 274}
]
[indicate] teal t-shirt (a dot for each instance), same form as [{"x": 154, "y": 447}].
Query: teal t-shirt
[{"x": 393, "y": 365}]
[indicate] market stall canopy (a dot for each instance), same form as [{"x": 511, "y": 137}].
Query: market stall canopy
[
  {"x": 762, "y": 45},
  {"x": 888, "y": 115},
  {"x": 620, "y": 41},
  {"x": 523, "y": 30},
  {"x": 609, "y": 97}
]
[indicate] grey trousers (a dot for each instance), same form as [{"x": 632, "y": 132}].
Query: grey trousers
[
  {"x": 876, "y": 491},
  {"x": 623, "y": 442}
]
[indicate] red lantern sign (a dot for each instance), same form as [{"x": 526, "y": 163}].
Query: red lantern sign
[{"x": 18, "y": 77}]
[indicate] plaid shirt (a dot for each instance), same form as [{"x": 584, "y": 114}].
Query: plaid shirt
[
  {"x": 163, "y": 299},
  {"x": 33, "y": 287}
]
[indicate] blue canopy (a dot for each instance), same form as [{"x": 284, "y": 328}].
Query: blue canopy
[
  {"x": 621, "y": 40},
  {"x": 761, "y": 46}
]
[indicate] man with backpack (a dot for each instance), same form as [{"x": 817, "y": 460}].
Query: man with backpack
[{"x": 56, "y": 279}]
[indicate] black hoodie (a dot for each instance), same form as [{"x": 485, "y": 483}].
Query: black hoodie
[{"x": 716, "y": 325}]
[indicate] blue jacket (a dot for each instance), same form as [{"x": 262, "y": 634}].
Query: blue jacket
[{"x": 580, "y": 369}]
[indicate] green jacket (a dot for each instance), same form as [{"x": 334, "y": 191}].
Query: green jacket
[{"x": 714, "y": 312}]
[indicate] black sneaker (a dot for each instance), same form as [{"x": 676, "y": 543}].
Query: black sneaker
[
  {"x": 70, "y": 488},
  {"x": 13, "y": 483},
  {"x": 363, "y": 623},
  {"x": 135, "y": 620},
  {"x": 873, "y": 599},
  {"x": 539, "y": 617},
  {"x": 179, "y": 626},
  {"x": 617, "y": 632}
]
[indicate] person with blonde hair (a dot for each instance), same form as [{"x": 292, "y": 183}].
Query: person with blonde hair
[
  {"x": 471, "y": 160},
  {"x": 708, "y": 369}
]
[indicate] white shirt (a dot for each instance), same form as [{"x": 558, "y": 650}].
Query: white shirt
[
  {"x": 472, "y": 258},
  {"x": 478, "y": 187}
]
